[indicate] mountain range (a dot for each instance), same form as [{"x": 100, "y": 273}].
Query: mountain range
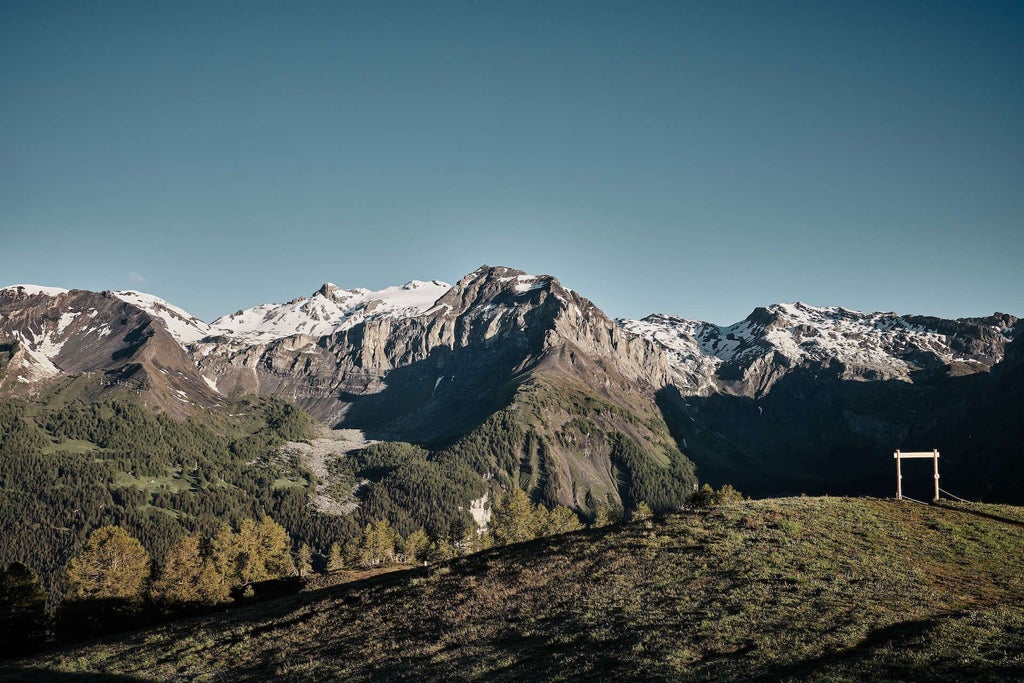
[{"x": 548, "y": 393}]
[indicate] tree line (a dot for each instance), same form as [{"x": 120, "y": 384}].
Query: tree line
[{"x": 113, "y": 582}]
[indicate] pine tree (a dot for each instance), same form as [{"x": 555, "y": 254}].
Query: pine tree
[
  {"x": 22, "y": 610},
  {"x": 112, "y": 566}
]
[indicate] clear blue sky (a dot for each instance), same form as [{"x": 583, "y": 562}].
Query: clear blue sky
[{"x": 690, "y": 158}]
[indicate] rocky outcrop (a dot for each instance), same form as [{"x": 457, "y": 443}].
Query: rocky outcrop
[
  {"x": 751, "y": 356},
  {"x": 100, "y": 344},
  {"x": 461, "y": 353}
]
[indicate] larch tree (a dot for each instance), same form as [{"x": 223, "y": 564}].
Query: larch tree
[
  {"x": 275, "y": 549},
  {"x": 642, "y": 513},
  {"x": 440, "y": 551},
  {"x": 514, "y": 518},
  {"x": 416, "y": 546},
  {"x": 606, "y": 514},
  {"x": 335, "y": 561},
  {"x": 562, "y": 520},
  {"x": 304, "y": 561},
  {"x": 377, "y": 545},
  {"x": 225, "y": 555},
  {"x": 189, "y": 578},
  {"x": 257, "y": 552},
  {"x": 113, "y": 565}
]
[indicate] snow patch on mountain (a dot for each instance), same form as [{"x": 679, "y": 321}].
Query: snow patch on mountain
[
  {"x": 211, "y": 383},
  {"x": 33, "y": 290},
  {"x": 39, "y": 351},
  {"x": 36, "y": 367},
  {"x": 884, "y": 343},
  {"x": 184, "y": 327},
  {"x": 686, "y": 343},
  {"x": 526, "y": 283},
  {"x": 329, "y": 310}
]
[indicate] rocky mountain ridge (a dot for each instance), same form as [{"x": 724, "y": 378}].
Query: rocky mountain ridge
[
  {"x": 407, "y": 366},
  {"x": 745, "y": 358},
  {"x": 335, "y": 342},
  {"x": 748, "y": 357},
  {"x": 328, "y": 310},
  {"x": 52, "y": 337},
  {"x": 432, "y": 363},
  {"x": 491, "y": 315}
]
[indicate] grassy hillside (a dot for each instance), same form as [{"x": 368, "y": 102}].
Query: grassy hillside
[{"x": 804, "y": 589}]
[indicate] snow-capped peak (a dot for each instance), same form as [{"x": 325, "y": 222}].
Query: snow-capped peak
[
  {"x": 184, "y": 327},
  {"x": 869, "y": 345},
  {"x": 330, "y": 309},
  {"x": 33, "y": 290}
]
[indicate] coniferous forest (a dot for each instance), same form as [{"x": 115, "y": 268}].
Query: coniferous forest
[{"x": 115, "y": 516}]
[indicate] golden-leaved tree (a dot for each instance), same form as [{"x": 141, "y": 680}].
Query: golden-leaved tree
[
  {"x": 514, "y": 518},
  {"x": 257, "y": 552},
  {"x": 377, "y": 544},
  {"x": 189, "y": 578},
  {"x": 113, "y": 565}
]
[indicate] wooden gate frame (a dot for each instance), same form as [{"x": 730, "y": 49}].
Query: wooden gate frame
[{"x": 934, "y": 455}]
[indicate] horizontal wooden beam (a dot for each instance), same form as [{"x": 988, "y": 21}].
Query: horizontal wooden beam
[{"x": 929, "y": 454}]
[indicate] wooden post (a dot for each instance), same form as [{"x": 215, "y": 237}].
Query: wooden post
[
  {"x": 899, "y": 477},
  {"x": 899, "y": 455}
]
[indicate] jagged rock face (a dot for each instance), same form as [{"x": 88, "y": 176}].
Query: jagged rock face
[
  {"x": 498, "y": 340},
  {"x": 771, "y": 403},
  {"x": 431, "y": 363},
  {"x": 51, "y": 337},
  {"x": 802, "y": 399},
  {"x": 445, "y": 360},
  {"x": 750, "y": 357}
]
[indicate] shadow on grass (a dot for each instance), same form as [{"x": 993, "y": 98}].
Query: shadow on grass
[
  {"x": 887, "y": 654},
  {"x": 977, "y": 513},
  {"x": 24, "y": 674}
]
